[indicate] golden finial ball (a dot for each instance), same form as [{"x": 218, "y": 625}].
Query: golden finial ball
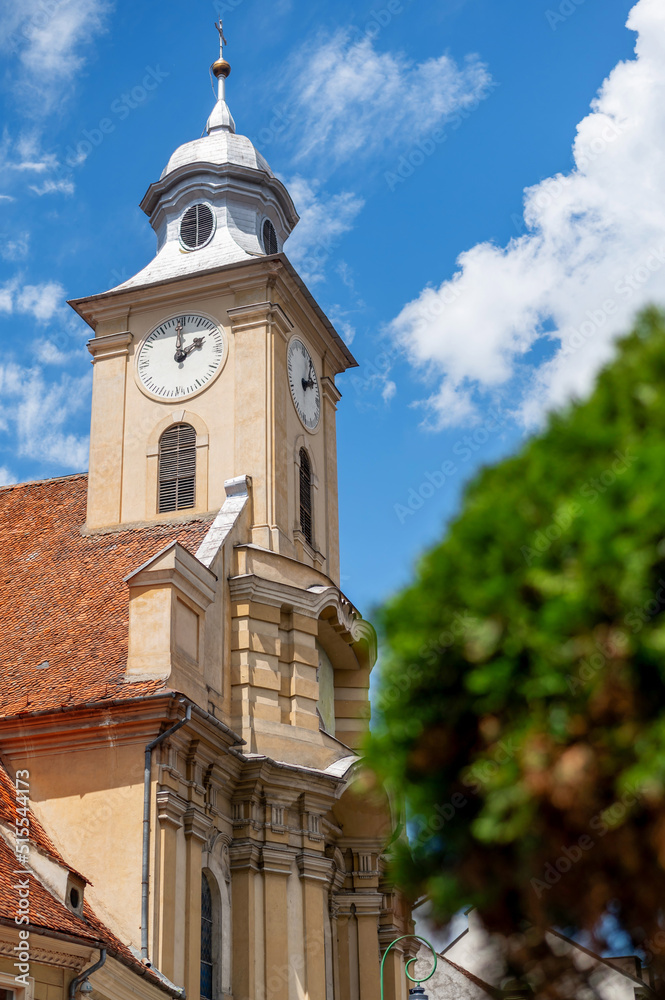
[{"x": 221, "y": 68}]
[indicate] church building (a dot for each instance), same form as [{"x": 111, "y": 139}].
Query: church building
[{"x": 184, "y": 688}]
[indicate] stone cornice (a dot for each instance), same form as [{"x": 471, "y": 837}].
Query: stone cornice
[
  {"x": 113, "y": 345},
  {"x": 248, "y": 317},
  {"x": 197, "y": 824},
  {"x": 314, "y": 867},
  {"x": 298, "y": 300},
  {"x": 48, "y": 956},
  {"x": 366, "y": 904},
  {"x": 175, "y": 566},
  {"x": 312, "y": 602},
  {"x": 330, "y": 390},
  {"x": 82, "y": 727},
  {"x": 244, "y": 855},
  {"x": 170, "y": 808},
  {"x": 276, "y": 860}
]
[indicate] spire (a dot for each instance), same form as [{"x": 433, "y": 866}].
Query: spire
[{"x": 221, "y": 118}]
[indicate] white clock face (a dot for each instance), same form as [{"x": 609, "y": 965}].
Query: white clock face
[
  {"x": 180, "y": 356},
  {"x": 304, "y": 384}
]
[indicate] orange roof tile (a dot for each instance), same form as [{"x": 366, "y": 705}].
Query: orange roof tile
[{"x": 65, "y": 608}]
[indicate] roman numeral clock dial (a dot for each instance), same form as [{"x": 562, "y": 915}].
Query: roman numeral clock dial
[
  {"x": 180, "y": 357},
  {"x": 304, "y": 384}
]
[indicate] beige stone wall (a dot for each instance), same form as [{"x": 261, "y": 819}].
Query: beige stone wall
[
  {"x": 245, "y": 420},
  {"x": 48, "y": 982}
]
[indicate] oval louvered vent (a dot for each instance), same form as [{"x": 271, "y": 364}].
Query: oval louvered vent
[
  {"x": 196, "y": 227},
  {"x": 177, "y": 468},
  {"x": 269, "y": 238}
]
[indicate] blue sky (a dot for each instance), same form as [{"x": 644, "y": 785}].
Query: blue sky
[{"x": 407, "y": 133}]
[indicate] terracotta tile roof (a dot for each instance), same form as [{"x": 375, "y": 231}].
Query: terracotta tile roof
[{"x": 64, "y": 622}]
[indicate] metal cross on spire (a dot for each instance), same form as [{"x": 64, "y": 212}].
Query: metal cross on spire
[{"x": 222, "y": 39}]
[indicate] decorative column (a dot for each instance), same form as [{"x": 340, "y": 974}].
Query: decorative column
[
  {"x": 244, "y": 868},
  {"x": 347, "y": 937},
  {"x": 260, "y": 331},
  {"x": 331, "y": 396},
  {"x": 107, "y": 429},
  {"x": 196, "y": 832},
  {"x": 170, "y": 811},
  {"x": 368, "y": 910},
  {"x": 315, "y": 875},
  {"x": 277, "y": 866}
]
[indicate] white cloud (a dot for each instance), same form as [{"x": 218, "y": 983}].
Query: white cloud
[
  {"x": 352, "y": 101},
  {"x": 338, "y": 317},
  {"x": 37, "y": 412},
  {"x": 324, "y": 219},
  {"x": 6, "y": 197},
  {"x": 7, "y": 478},
  {"x": 16, "y": 249},
  {"x": 53, "y": 187},
  {"x": 49, "y": 353},
  {"x": 41, "y": 301},
  {"x": 49, "y": 39},
  {"x": 592, "y": 254},
  {"x": 389, "y": 391}
]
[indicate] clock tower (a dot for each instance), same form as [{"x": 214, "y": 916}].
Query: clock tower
[
  {"x": 227, "y": 740},
  {"x": 215, "y": 362}
]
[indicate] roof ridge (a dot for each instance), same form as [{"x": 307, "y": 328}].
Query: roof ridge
[
  {"x": 44, "y": 482},
  {"x": 492, "y": 990}
]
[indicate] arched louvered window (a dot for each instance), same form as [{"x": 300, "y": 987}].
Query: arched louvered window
[
  {"x": 269, "y": 237},
  {"x": 177, "y": 468},
  {"x": 207, "y": 931},
  {"x": 306, "y": 496}
]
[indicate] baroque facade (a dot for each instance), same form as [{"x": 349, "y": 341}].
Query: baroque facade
[{"x": 183, "y": 684}]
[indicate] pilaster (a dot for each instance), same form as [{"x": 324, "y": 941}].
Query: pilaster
[
  {"x": 260, "y": 330},
  {"x": 109, "y": 357},
  {"x": 244, "y": 860},
  {"x": 196, "y": 826},
  {"x": 314, "y": 871},
  {"x": 168, "y": 946},
  {"x": 277, "y": 865}
]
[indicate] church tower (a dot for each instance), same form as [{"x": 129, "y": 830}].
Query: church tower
[
  {"x": 217, "y": 351},
  {"x": 204, "y": 683}
]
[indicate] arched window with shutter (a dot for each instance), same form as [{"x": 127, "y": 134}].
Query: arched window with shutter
[
  {"x": 177, "y": 469},
  {"x": 306, "y": 496},
  {"x": 269, "y": 238},
  {"x": 207, "y": 939}
]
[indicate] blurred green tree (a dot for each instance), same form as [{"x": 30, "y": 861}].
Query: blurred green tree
[{"x": 521, "y": 712}]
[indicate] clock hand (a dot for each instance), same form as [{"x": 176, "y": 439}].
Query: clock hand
[
  {"x": 198, "y": 342},
  {"x": 179, "y": 354}
]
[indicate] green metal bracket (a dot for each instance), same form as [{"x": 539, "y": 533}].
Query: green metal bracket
[{"x": 414, "y": 937}]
